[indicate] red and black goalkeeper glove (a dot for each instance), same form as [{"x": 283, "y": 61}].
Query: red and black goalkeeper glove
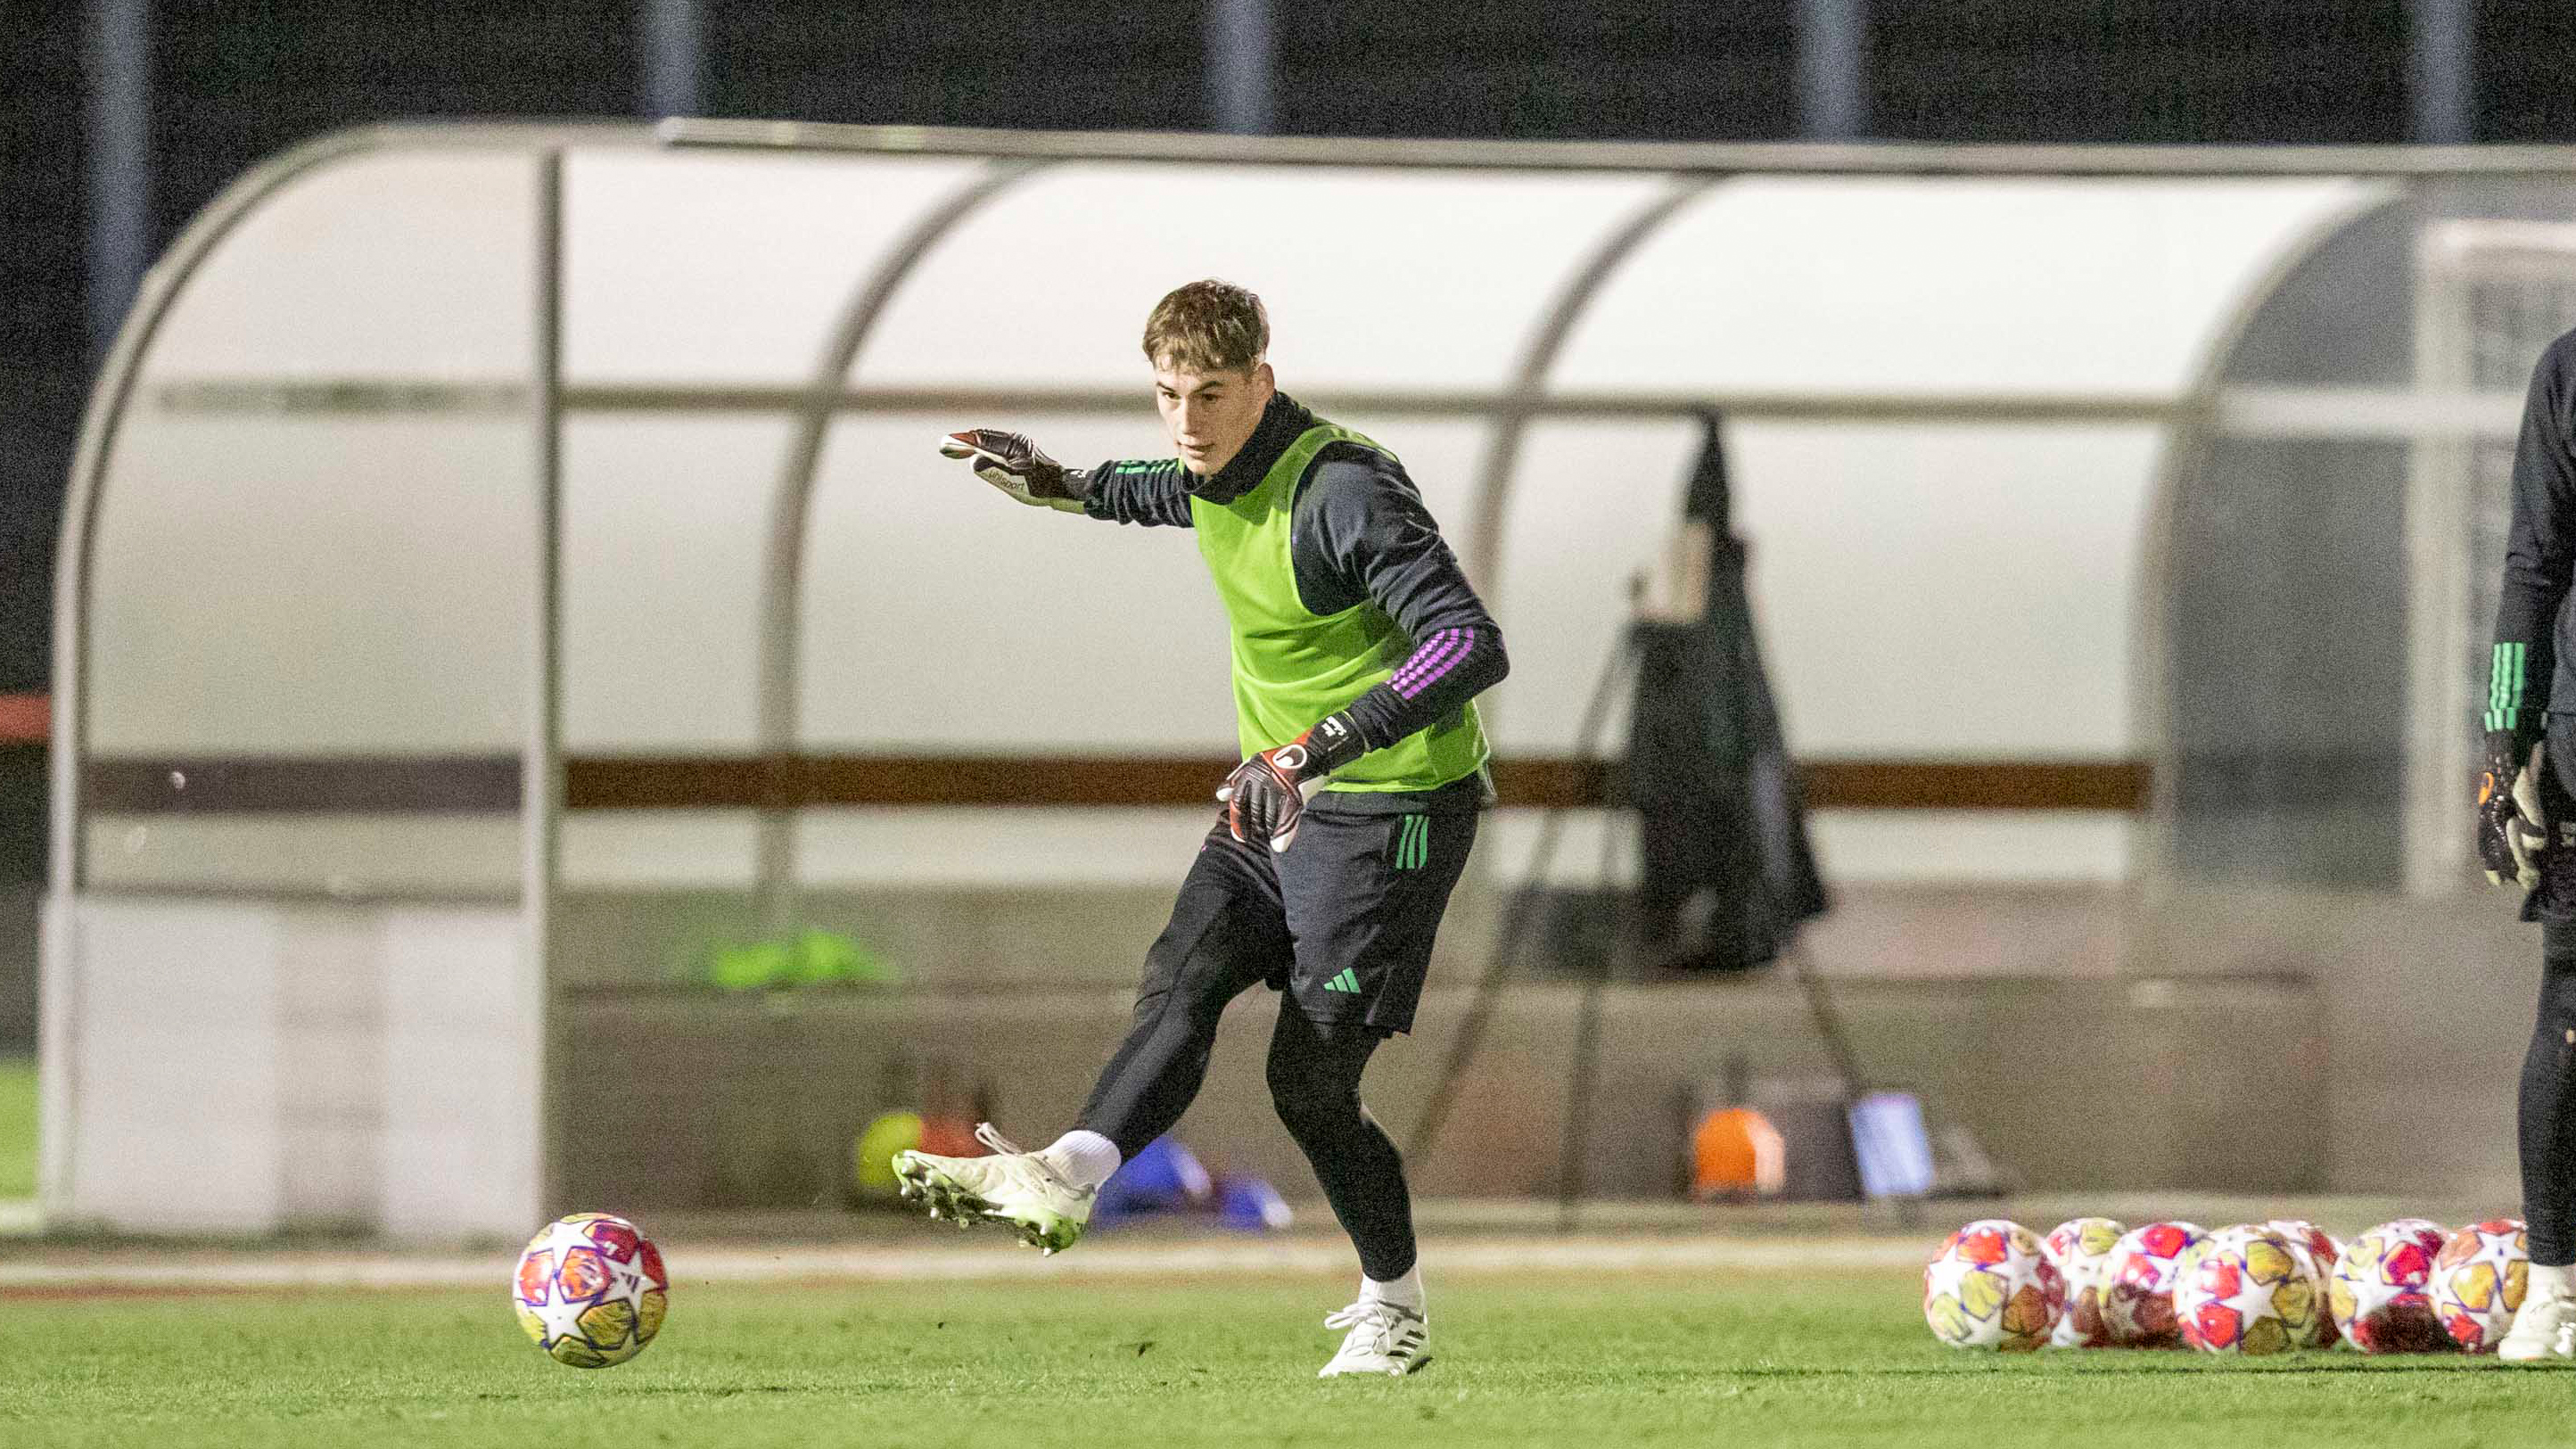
[
  {"x": 1010, "y": 462},
  {"x": 1266, "y": 795}
]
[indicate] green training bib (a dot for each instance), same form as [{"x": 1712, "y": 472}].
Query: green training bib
[{"x": 1292, "y": 667}]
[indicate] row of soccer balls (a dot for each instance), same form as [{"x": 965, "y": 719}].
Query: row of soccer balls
[{"x": 2406, "y": 1286}]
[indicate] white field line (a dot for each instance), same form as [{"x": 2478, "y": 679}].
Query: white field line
[{"x": 880, "y": 1263}]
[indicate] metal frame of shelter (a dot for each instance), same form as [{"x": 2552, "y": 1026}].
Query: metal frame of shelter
[{"x": 1692, "y": 170}]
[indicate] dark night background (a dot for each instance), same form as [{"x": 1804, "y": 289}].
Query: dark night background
[{"x": 232, "y": 82}]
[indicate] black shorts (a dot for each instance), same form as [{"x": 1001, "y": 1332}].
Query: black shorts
[{"x": 1344, "y": 920}]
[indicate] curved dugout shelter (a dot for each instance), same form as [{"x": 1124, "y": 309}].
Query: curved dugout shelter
[{"x": 472, "y": 516}]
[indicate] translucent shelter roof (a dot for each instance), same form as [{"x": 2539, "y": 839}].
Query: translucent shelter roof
[
  {"x": 707, "y": 362},
  {"x": 2112, "y": 513}
]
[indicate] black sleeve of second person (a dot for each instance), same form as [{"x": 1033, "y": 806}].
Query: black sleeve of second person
[
  {"x": 2540, "y": 546},
  {"x": 1361, "y": 534}
]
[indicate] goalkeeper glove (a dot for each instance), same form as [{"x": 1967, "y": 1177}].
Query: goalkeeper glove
[
  {"x": 1266, "y": 795},
  {"x": 2511, "y": 831},
  {"x": 1010, "y": 462}
]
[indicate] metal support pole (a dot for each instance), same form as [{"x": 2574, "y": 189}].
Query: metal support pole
[
  {"x": 2441, "y": 72},
  {"x": 120, "y": 160},
  {"x": 1833, "y": 102},
  {"x": 1242, "y": 66},
  {"x": 675, "y": 58},
  {"x": 541, "y": 765}
]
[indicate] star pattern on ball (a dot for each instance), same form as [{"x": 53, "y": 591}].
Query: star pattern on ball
[
  {"x": 2497, "y": 1247},
  {"x": 628, "y": 1280},
  {"x": 561, "y": 1316},
  {"x": 563, "y": 1236}
]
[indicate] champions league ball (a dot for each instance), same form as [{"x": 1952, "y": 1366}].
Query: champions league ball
[
  {"x": 2244, "y": 1290},
  {"x": 2316, "y": 1250},
  {"x": 2478, "y": 1283},
  {"x": 2138, "y": 1283},
  {"x": 2079, "y": 1249},
  {"x": 1990, "y": 1286},
  {"x": 591, "y": 1290},
  {"x": 2380, "y": 1289}
]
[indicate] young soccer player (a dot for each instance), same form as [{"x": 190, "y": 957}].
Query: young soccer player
[
  {"x": 1358, "y": 648},
  {"x": 2528, "y": 792}
]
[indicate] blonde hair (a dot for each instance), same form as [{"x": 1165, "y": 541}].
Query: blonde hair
[{"x": 1208, "y": 326}]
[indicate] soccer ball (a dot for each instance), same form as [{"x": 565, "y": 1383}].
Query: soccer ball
[
  {"x": 2245, "y": 1291},
  {"x": 1990, "y": 1287},
  {"x": 2380, "y": 1289},
  {"x": 2138, "y": 1284},
  {"x": 2478, "y": 1282},
  {"x": 2079, "y": 1249},
  {"x": 591, "y": 1290},
  {"x": 2316, "y": 1250}
]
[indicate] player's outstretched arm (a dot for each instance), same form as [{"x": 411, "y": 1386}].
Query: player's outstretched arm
[{"x": 1010, "y": 462}]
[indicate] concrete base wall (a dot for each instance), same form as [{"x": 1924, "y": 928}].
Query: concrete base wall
[
  {"x": 740, "y": 1102},
  {"x": 2092, "y": 1038}
]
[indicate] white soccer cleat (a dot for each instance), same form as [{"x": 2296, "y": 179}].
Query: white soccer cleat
[
  {"x": 1383, "y": 1339},
  {"x": 1019, "y": 1189},
  {"x": 2544, "y": 1328}
]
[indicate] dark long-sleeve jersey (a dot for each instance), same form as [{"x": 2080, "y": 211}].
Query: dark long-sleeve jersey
[
  {"x": 2533, "y": 658},
  {"x": 1358, "y": 533}
]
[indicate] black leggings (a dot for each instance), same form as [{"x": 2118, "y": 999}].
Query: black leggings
[
  {"x": 2548, "y": 1106},
  {"x": 1223, "y": 939}
]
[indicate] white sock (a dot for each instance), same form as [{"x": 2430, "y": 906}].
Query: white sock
[
  {"x": 1087, "y": 1158},
  {"x": 2545, "y": 1282},
  {"x": 1404, "y": 1292}
]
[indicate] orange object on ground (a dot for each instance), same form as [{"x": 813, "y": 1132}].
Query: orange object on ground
[{"x": 1735, "y": 1151}]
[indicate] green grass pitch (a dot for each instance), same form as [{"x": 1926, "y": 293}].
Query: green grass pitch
[
  {"x": 17, "y": 1127},
  {"x": 1744, "y": 1358}
]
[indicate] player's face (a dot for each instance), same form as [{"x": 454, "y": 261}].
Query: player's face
[{"x": 1209, "y": 416}]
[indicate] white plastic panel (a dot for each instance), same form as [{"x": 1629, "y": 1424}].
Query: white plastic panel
[
  {"x": 1592, "y": 503},
  {"x": 997, "y": 848},
  {"x": 174, "y": 1073},
  {"x": 414, "y": 265},
  {"x": 303, "y": 855},
  {"x": 462, "y": 1052},
  {"x": 940, "y": 615},
  {"x": 1955, "y": 592},
  {"x": 1853, "y": 847},
  {"x": 1894, "y": 285},
  {"x": 1931, "y": 591},
  {"x": 727, "y": 267},
  {"x": 1401, "y": 279},
  {"x": 313, "y": 584},
  {"x": 666, "y": 538}
]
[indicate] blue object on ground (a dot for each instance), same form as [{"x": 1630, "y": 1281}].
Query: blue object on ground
[
  {"x": 1250, "y": 1205},
  {"x": 1162, "y": 1177}
]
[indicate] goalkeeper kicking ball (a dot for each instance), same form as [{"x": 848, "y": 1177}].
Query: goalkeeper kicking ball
[
  {"x": 2478, "y": 1281},
  {"x": 2245, "y": 1291},
  {"x": 2079, "y": 1249},
  {"x": 2138, "y": 1284},
  {"x": 1989, "y": 1286},
  {"x": 591, "y": 1290},
  {"x": 2381, "y": 1289}
]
